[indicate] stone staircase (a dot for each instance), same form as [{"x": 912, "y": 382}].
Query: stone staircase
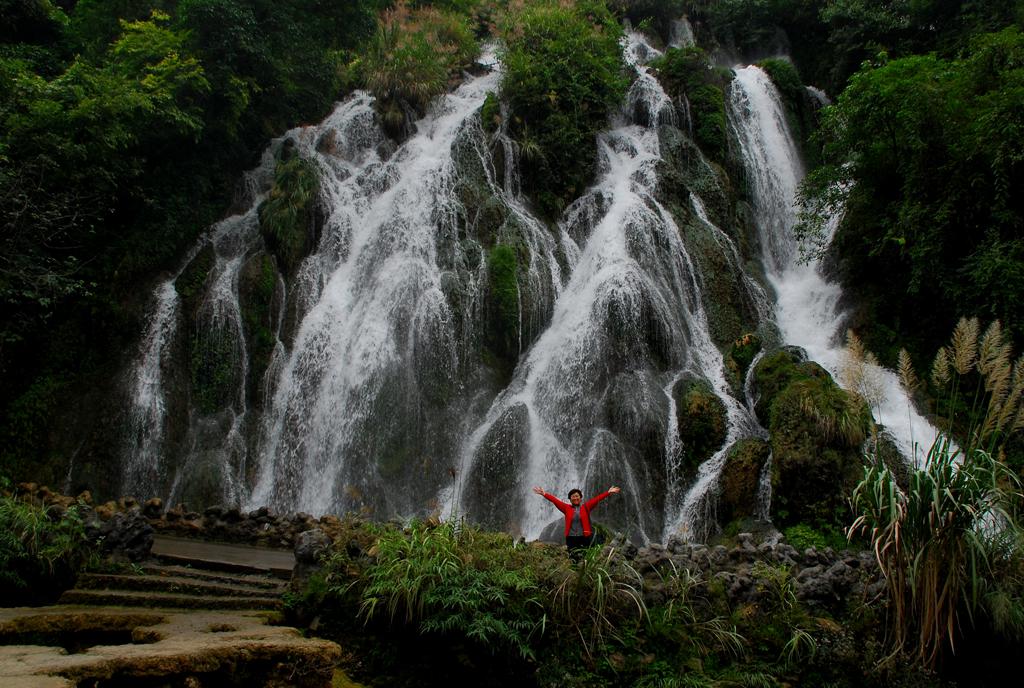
[
  {"x": 178, "y": 587},
  {"x": 198, "y": 614}
]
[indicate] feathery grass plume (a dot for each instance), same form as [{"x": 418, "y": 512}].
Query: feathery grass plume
[
  {"x": 860, "y": 372},
  {"x": 965, "y": 345},
  {"x": 908, "y": 378},
  {"x": 1011, "y": 414},
  {"x": 941, "y": 541},
  {"x": 940, "y": 368},
  {"x": 993, "y": 347}
]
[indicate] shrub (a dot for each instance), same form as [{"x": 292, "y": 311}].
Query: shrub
[
  {"x": 413, "y": 57},
  {"x": 802, "y": 535},
  {"x": 564, "y": 73},
  {"x": 41, "y": 551}
]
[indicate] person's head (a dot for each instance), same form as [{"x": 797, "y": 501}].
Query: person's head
[{"x": 575, "y": 497}]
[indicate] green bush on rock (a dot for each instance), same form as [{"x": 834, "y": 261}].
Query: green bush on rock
[
  {"x": 687, "y": 72},
  {"x": 701, "y": 418},
  {"x": 41, "y": 551},
  {"x": 563, "y": 74},
  {"x": 816, "y": 431},
  {"x": 286, "y": 217}
]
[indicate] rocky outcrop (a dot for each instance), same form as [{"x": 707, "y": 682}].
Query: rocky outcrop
[
  {"x": 823, "y": 579},
  {"x": 816, "y": 431}
]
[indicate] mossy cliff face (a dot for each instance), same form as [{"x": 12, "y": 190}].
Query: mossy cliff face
[
  {"x": 701, "y": 419},
  {"x": 816, "y": 432},
  {"x": 741, "y": 479}
]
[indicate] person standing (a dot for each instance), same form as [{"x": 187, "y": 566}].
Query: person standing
[{"x": 578, "y": 532}]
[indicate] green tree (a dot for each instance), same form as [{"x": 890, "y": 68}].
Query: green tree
[
  {"x": 921, "y": 154},
  {"x": 563, "y": 74}
]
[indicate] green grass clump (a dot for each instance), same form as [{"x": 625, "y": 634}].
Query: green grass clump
[
  {"x": 433, "y": 578},
  {"x": 286, "y": 215},
  {"x": 413, "y": 58},
  {"x": 41, "y": 551}
]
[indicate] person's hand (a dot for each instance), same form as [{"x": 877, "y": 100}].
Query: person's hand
[
  {"x": 614, "y": 490},
  {"x": 539, "y": 491}
]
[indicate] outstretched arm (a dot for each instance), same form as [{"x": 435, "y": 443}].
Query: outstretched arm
[
  {"x": 551, "y": 498},
  {"x": 614, "y": 489}
]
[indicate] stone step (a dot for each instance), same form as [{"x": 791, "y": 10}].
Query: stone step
[
  {"x": 217, "y": 556},
  {"x": 251, "y": 580},
  {"x": 149, "y": 599},
  {"x": 173, "y": 585}
]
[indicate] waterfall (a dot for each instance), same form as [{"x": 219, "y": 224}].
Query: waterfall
[
  {"x": 806, "y": 311},
  {"x": 681, "y": 35},
  {"x": 376, "y": 390},
  {"x": 628, "y": 324}
]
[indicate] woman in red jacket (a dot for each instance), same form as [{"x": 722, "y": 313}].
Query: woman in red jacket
[{"x": 578, "y": 533}]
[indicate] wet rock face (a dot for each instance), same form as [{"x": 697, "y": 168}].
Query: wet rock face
[
  {"x": 741, "y": 479},
  {"x": 496, "y": 476}
]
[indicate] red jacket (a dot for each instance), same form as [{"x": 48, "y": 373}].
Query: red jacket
[{"x": 585, "y": 508}]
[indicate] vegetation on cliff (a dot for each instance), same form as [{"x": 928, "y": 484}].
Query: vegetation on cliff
[{"x": 564, "y": 73}]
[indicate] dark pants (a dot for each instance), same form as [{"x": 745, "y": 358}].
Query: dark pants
[{"x": 577, "y": 543}]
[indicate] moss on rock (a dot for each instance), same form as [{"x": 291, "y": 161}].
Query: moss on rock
[
  {"x": 257, "y": 286},
  {"x": 213, "y": 367},
  {"x": 702, "y": 421},
  {"x": 816, "y": 432},
  {"x": 741, "y": 477},
  {"x": 742, "y": 353},
  {"x": 192, "y": 279},
  {"x": 502, "y": 307}
]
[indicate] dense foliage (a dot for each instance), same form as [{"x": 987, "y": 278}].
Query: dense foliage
[
  {"x": 443, "y": 603},
  {"x": 564, "y": 73},
  {"x": 924, "y": 156},
  {"x": 124, "y": 127},
  {"x": 828, "y": 39},
  {"x": 41, "y": 551}
]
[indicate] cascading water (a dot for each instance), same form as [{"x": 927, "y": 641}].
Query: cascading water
[
  {"x": 807, "y": 310},
  {"x": 367, "y": 389},
  {"x": 628, "y": 325}
]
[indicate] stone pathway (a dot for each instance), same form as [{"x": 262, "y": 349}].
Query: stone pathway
[{"x": 201, "y": 615}]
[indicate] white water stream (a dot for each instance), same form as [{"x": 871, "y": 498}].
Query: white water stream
[{"x": 806, "y": 309}]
